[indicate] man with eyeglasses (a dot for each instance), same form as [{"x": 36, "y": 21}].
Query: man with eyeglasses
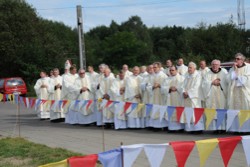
[
  {"x": 82, "y": 89},
  {"x": 239, "y": 90},
  {"x": 173, "y": 93},
  {"x": 215, "y": 87}
]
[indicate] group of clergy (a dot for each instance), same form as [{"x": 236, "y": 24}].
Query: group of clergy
[{"x": 176, "y": 85}]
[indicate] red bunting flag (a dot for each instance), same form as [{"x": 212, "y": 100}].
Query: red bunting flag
[
  {"x": 52, "y": 102},
  {"x": 179, "y": 111},
  {"x": 108, "y": 103},
  {"x": 198, "y": 112},
  {"x": 64, "y": 102},
  {"x": 24, "y": 101},
  {"x": 80, "y": 161},
  {"x": 227, "y": 146},
  {"x": 89, "y": 103},
  {"x": 182, "y": 151},
  {"x": 126, "y": 106}
]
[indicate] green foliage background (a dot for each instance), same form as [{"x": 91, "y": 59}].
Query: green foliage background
[{"x": 29, "y": 43}]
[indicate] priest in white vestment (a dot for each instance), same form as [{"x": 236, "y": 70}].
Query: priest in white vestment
[
  {"x": 214, "y": 86},
  {"x": 155, "y": 119},
  {"x": 172, "y": 89},
  {"x": 181, "y": 68},
  {"x": 239, "y": 91},
  {"x": 169, "y": 64},
  {"x": 143, "y": 71},
  {"x": 118, "y": 89},
  {"x": 104, "y": 92},
  {"x": 147, "y": 86},
  {"x": 82, "y": 114},
  {"x": 126, "y": 70},
  {"x": 159, "y": 78},
  {"x": 56, "y": 113},
  {"x": 68, "y": 84},
  {"x": 191, "y": 96},
  {"x": 42, "y": 91},
  {"x": 147, "y": 91},
  {"x": 203, "y": 71},
  {"x": 133, "y": 94}
]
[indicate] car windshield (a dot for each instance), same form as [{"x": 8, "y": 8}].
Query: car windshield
[
  {"x": 1, "y": 82},
  {"x": 14, "y": 82}
]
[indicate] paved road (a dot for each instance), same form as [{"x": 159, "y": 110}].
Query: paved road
[{"x": 88, "y": 139}]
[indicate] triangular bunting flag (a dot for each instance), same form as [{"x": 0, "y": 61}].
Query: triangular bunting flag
[
  {"x": 108, "y": 103},
  {"x": 246, "y": 145},
  {"x": 85, "y": 102},
  {"x": 210, "y": 115},
  {"x": 139, "y": 107},
  {"x": 63, "y": 163},
  {"x": 227, "y": 146},
  {"x": 189, "y": 113},
  {"x": 155, "y": 153},
  {"x": 112, "y": 158},
  {"x": 130, "y": 153},
  {"x": 32, "y": 102},
  {"x": 170, "y": 111},
  {"x": 182, "y": 151},
  {"x": 24, "y": 102},
  {"x": 76, "y": 105},
  {"x": 126, "y": 106},
  {"x": 88, "y": 160},
  {"x": 198, "y": 112},
  {"x": 133, "y": 106},
  {"x": 179, "y": 111},
  {"x": 221, "y": 115},
  {"x": 148, "y": 109},
  {"x": 89, "y": 103},
  {"x": 231, "y": 114},
  {"x": 205, "y": 148},
  {"x": 1, "y": 96},
  {"x": 243, "y": 116},
  {"x": 64, "y": 102}
]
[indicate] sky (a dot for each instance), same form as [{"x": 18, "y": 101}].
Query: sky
[{"x": 157, "y": 13}]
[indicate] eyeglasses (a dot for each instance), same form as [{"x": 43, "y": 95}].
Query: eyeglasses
[
  {"x": 171, "y": 70},
  {"x": 82, "y": 73},
  {"x": 237, "y": 58}
]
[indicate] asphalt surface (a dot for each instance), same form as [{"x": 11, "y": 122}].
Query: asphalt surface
[{"x": 88, "y": 139}]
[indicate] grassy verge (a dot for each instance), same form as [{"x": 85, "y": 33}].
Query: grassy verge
[{"x": 18, "y": 152}]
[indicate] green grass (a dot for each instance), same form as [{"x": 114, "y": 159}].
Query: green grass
[{"x": 18, "y": 152}]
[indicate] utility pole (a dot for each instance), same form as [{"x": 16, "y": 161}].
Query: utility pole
[
  {"x": 241, "y": 14},
  {"x": 81, "y": 37}
]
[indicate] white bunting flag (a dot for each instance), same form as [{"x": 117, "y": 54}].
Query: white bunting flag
[
  {"x": 189, "y": 112},
  {"x": 231, "y": 114},
  {"x": 155, "y": 153},
  {"x": 130, "y": 154},
  {"x": 246, "y": 146}
]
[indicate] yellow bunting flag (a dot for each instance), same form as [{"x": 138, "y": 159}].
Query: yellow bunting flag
[
  {"x": 1, "y": 96},
  {"x": 12, "y": 98},
  {"x": 205, "y": 148},
  {"x": 63, "y": 163},
  {"x": 210, "y": 114},
  {"x": 139, "y": 107},
  {"x": 243, "y": 116}
]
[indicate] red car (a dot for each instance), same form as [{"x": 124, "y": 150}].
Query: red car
[{"x": 13, "y": 85}]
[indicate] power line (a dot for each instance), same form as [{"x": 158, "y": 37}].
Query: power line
[{"x": 118, "y": 6}]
